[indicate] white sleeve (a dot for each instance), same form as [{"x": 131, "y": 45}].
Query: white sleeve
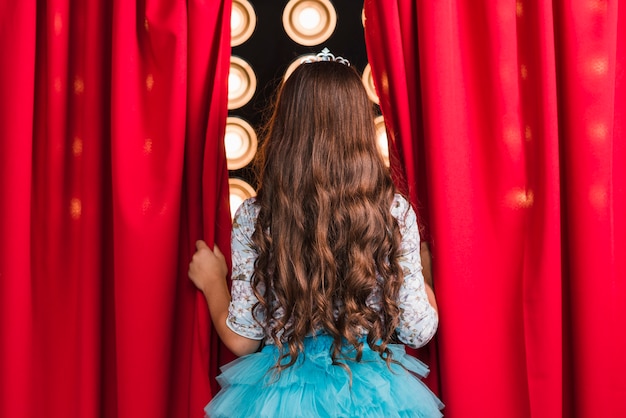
[
  {"x": 240, "y": 319},
  {"x": 418, "y": 319}
]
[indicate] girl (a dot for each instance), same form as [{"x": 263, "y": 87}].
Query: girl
[{"x": 326, "y": 276}]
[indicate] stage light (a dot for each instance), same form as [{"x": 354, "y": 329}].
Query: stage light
[
  {"x": 239, "y": 191},
  {"x": 309, "y": 22},
  {"x": 381, "y": 138},
  {"x": 368, "y": 82},
  {"x": 295, "y": 63},
  {"x": 240, "y": 142},
  {"x": 242, "y": 22},
  {"x": 241, "y": 83}
]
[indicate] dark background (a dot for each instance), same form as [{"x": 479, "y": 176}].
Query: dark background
[{"x": 270, "y": 51}]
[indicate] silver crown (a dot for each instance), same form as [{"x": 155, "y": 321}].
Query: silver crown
[{"x": 325, "y": 55}]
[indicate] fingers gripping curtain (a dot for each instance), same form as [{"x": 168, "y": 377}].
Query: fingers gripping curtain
[
  {"x": 112, "y": 164},
  {"x": 507, "y": 122}
]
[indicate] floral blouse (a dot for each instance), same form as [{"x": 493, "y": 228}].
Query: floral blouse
[{"x": 418, "y": 319}]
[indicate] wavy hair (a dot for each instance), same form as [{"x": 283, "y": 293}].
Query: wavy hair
[{"x": 325, "y": 236}]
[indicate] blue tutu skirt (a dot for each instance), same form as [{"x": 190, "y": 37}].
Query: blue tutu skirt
[{"x": 314, "y": 387}]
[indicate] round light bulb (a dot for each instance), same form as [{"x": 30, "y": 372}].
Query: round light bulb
[
  {"x": 309, "y": 18},
  {"x": 233, "y": 142},
  {"x": 383, "y": 143},
  {"x": 235, "y": 202},
  {"x": 234, "y": 83},
  {"x": 236, "y": 19}
]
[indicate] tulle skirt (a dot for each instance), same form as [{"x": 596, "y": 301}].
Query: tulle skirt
[{"x": 314, "y": 387}]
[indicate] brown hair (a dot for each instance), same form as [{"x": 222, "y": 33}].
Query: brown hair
[{"x": 324, "y": 230}]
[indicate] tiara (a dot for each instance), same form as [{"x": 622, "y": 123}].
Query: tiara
[{"x": 325, "y": 55}]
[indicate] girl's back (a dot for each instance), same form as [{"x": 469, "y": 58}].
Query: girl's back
[{"x": 326, "y": 269}]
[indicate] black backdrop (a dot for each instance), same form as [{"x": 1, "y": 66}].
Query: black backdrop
[{"x": 270, "y": 51}]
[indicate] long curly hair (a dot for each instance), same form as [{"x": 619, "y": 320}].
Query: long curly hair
[{"x": 325, "y": 236}]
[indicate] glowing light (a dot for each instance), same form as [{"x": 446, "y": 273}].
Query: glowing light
[
  {"x": 77, "y": 147},
  {"x": 76, "y": 208},
  {"x": 599, "y": 65},
  {"x": 242, "y": 22},
  {"x": 381, "y": 138},
  {"x": 295, "y": 63},
  {"x": 598, "y": 131},
  {"x": 239, "y": 191},
  {"x": 309, "y": 18},
  {"x": 235, "y": 202},
  {"x": 236, "y": 19},
  {"x": 520, "y": 198},
  {"x": 234, "y": 83},
  {"x": 241, "y": 83},
  {"x": 519, "y": 9},
  {"x": 233, "y": 143},
  {"x": 149, "y": 82},
  {"x": 368, "y": 82},
  {"x": 79, "y": 85},
  {"x": 240, "y": 143},
  {"x": 383, "y": 143},
  {"x": 523, "y": 71},
  {"x": 309, "y": 22},
  {"x": 147, "y": 146}
]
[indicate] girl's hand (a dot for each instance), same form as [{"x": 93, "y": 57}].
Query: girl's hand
[
  {"x": 208, "y": 271},
  {"x": 207, "y": 267}
]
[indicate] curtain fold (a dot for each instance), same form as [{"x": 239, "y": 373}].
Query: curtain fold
[
  {"x": 511, "y": 111},
  {"x": 591, "y": 62},
  {"x": 17, "y": 21},
  {"x": 111, "y": 149},
  {"x": 399, "y": 93}
]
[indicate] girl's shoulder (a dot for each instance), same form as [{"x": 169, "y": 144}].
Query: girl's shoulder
[
  {"x": 400, "y": 207},
  {"x": 247, "y": 212},
  {"x": 250, "y": 204}
]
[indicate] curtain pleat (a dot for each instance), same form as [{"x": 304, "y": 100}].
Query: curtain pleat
[
  {"x": 506, "y": 125},
  {"x": 519, "y": 126},
  {"x": 113, "y": 165},
  {"x": 17, "y": 21}
]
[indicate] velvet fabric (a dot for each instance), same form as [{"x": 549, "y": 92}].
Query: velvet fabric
[
  {"x": 112, "y": 117},
  {"x": 506, "y": 122}
]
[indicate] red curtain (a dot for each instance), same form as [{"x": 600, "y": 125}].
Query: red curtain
[
  {"x": 111, "y": 166},
  {"x": 507, "y": 120}
]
